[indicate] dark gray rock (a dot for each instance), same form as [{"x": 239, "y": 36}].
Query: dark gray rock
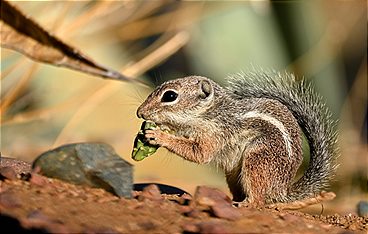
[
  {"x": 92, "y": 164},
  {"x": 362, "y": 208}
]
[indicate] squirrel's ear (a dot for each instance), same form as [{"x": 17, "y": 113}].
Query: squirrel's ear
[{"x": 206, "y": 89}]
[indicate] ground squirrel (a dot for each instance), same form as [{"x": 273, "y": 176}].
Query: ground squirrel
[{"x": 252, "y": 129}]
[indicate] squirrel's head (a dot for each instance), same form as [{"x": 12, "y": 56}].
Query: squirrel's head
[{"x": 178, "y": 101}]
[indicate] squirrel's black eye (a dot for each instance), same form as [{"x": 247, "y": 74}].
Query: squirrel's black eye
[{"x": 169, "y": 96}]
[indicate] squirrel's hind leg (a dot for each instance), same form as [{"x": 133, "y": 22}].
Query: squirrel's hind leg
[{"x": 265, "y": 177}]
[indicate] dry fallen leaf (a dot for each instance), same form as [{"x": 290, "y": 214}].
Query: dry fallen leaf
[{"x": 21, "y": 33}]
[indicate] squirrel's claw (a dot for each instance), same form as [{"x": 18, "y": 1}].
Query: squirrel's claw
[{"x": 155, "y": 137}]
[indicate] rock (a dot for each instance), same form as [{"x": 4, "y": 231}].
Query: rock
[
  {"x": 164, "y": 188},
  {"x": 146, "y": 225},
  {"x": 9, "y": 200},
  {"x": 225, "y": 212},
  {"x": 190, "y": 228},
  {"x": 185, "y": 209},
  {"x": 7, "y": 173},
  {"x": 37, "y": 179},
  {"x": 151, "y": 192},
  {"x": 362, "y": 208},
  {"x": 185, "y": 199},
  {"x": 107, "y": 199},
  {"x": 196, "y": 214},
  {"x": 206, "y": 196},
  {"x": 93, "y": 164},
  {"x": 212, "y": 226},
  {"x": 216, "y": 202},
  {"x": 37, "y": 219},
  {"x": 107, "y": 230}
]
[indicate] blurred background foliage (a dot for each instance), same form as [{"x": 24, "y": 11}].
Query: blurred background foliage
[{"x": 44, "y": 106}]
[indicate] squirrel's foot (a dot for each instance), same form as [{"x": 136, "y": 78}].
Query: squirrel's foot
[{"x": 157, "y": 137}]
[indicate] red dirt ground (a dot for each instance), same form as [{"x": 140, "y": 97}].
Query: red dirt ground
[{"x": 35, "y": 203}]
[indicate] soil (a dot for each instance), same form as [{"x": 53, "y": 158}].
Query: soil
[{"x": 31, "y": 203}]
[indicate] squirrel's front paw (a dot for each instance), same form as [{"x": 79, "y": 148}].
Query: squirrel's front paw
[{"x": 156, "y": 137}]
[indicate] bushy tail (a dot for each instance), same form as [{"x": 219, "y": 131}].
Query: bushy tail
[{"x": 312, "y": 115}]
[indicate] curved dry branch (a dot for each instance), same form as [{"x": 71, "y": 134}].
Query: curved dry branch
[{"x": 22, "y": 34}]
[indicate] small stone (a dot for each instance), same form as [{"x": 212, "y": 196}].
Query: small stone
[
  {"x": 9, "y": 200},
  {"x": 225, "y": 211},
  {"x": 216, "y": 202},
  {"x": 147, "y": 225},
  {"x": 38, "y": 215},
  {"x": 37, "y": 179},
  {"x": 212, "y": 226},
  {"x": 362, "y": 208},
  {"x": 7, "y": 173},
  {"x": 186, "y": 196},
  {"x": 185, "y": 199},
  {"x": 164, "y": 188},
  {"x": 100, "y": 231},
  {"x": 288, "y": 217},
  {"x": 151, "y": 192},
  {"x": 107, "y": 199},
  {"x": 39, "y": 220},
  {"x": 190, "y": 228},
  {"x": 206, "y": 196},
  {"x": 93, "y": 164},
  {"x": 185, "y": 209},
  {"x": 135, "y": 194},
  {"x": 196, "y": 214}
]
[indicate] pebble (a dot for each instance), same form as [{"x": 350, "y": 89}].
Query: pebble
[
  {"x": 212, "y": 226},
  {"x": 147, "y": 225},
  {"x": 225, "y": 211},
  {"x": 9, "y": 200},
  {"x": 362, "y": 208},
  {"x": 164, "y": 188},
  {"x": 207, "y": 196},
  {"x": 107, "y": 199},
  {"x": 8, "y": 173},
  {"x": 100, "y": 231},
  {"x": 216, "y": 202},
  {"x": 37, "y": 179},
  {"x": 185, "y": 199},
  {"x": 190, "y": 228},
  {"x": 150, "y": 192},
  {"x": 38, "y": 219}
]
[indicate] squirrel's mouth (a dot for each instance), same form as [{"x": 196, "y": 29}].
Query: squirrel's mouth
[{"x": 162, "y": 126}]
